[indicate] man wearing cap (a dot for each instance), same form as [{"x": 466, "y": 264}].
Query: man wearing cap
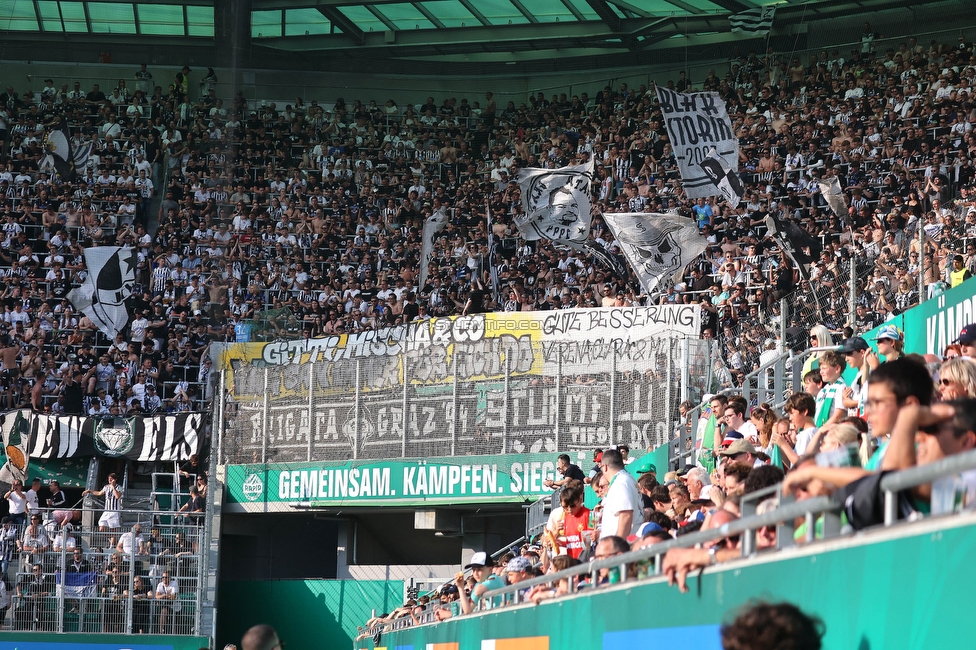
[
  {"x": 519, "y": 570},
  {"x": 742, "y": 451},
  {"x": 967, "y": 341},
  {"x": 480, "y": 565},
  {"x": 857, "y": 353},
  {"x": 891, "y": 343}
]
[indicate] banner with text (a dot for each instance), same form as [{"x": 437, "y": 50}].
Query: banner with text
[
  {"x": 696, "y": 124},
  {"x": 483, "y": 384},
  {"x": 512, "y": 478}
]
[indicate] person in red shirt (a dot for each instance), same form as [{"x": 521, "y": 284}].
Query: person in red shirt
[{"x": 575, "y": 521}]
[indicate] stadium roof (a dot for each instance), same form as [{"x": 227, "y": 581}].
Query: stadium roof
[{"x": 446, "y": 31}]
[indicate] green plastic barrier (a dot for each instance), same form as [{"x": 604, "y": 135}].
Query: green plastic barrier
[{"x": 907, "y": 592}]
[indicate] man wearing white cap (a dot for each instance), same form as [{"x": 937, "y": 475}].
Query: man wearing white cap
[{"x": 480, "y": 566}]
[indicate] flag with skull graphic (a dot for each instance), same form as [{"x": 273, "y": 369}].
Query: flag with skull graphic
[
  {"x": 111, "y": 275},
  {"x": 658, "y": 246}
]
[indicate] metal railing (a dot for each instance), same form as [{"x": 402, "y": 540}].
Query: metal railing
[{"x": 648, "y": 562}]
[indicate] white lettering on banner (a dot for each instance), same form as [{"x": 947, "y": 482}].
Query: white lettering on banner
[
  {"x": 528, "y": 477},
  {"x": 297, "y": 484},
  {"x": 449, "y": 480},
  {"x": 943, "y": 327},
  {"x": 697, "y": 123}
]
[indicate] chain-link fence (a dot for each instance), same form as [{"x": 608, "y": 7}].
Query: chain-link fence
[{"x": 486, "y": 384}]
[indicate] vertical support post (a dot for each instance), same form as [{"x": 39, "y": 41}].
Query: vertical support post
[
  {"x": 311, "y": 410},
  {"x": 921, "y": 263},
  {"x": 613, "y": 398},
  {"x": 355, "y": 431},
  {"x": 669, "y": 401},
  {"x": 784, "y": 313},
  {"x": 557, "y": 429},
  {"x": 852, "y": 292},
  {"x": 405, "y": 418},
  {"x": 506, "y": 404},
  {"x": 264, "y": 418},
  {"x": 59, "y": 627},
  {"x": 685, "y": 369},
  {"x": 219, "y": 424},
  {"x": 455, "y": 401}
]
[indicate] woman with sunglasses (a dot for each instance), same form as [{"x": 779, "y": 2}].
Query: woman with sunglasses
[{"x": 957, "y": 379}]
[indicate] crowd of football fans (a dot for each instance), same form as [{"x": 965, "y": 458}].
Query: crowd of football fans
[
  {"x": 319, "y": 208},
  {"x": 862, "y": 413},
  {"x": 895, "y": 127}
]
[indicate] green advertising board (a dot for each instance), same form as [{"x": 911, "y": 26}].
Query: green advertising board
[
  {"x": 936, "y": 323},
  {"x": 504, "y": 478},
  {"x": 904, "y": 589}
]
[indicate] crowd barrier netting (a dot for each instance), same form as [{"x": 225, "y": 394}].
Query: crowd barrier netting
[{"x": 495, "y": 383}]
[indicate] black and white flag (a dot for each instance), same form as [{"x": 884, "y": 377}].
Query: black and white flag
[
  {"x": 111, "y": 275},
  {"x": 756, "y": 21},
  {"x": 800, "y": 246},
  {"x": 723, "y": 177},
  {"x": 62, "y": 156},
  {"x": 433, "y": 225},
  {"x": 833, "y": 194},
  {"x": 158, "y": 438},
  {"x": 556, "y": 203},
  {"x": 658, "y": 246},
  {"x": 59, "y": 436},
  {"x": 698, "y": 126}
]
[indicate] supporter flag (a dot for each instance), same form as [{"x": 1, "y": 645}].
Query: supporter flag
[
  {"x": 149, "y": 439},
  {"x": 53, "y": 436},
  {"x": 833, "y": 194},
  {"x": 756, "y": 21},
  {"x": 801, "y": 247},
  {"x": 658, "y": 246},
  {"x": 77, "y": 585},
  {"x": 434, "y": 224},
  {"x": 62, "y": 156},
  {"x": 723, "y": 177},
  {"x": 111, "y": 274},
  {"x": 15, "y": 441},
  {"x": 698, "y": 126},
  {"x": 556, "y": 203}
]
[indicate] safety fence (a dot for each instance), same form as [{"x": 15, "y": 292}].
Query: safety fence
[
  {"x": 496, "y": 383},
  {"x": 145, "y": 578}
]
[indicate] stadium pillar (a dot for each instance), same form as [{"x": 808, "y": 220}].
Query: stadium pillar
[{"x": 232, "y": 30}]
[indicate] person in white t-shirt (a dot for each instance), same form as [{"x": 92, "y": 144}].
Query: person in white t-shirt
[
  {"x": 622, "y": 510},
  {"x": 735, "y": 419}
]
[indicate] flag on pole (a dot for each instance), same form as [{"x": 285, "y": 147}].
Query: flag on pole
[
  {"x": 658, "y": 246},
  {"x": 833, "y": 194},
  {"x": 556, "y": 203},
  {"x": 756, "y": 21},
  {"x": 111, "y": 274},
  {"x": 433, "y": 225},
  {"x": 723, "y": 177},
  {"x": 63, "y": 157},
  {"x": 801, "y": 247}
]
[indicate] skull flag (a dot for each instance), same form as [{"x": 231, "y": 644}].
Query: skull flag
[
  {"x": 111, "y": 275},
  {"x": 658, "y": 246}
]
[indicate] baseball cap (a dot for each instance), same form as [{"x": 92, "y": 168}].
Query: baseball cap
[
  {"x": 855, "y": 344},
  {"x": 967, "y": 335},
  {"x": 519, "y": 564},
  {"x": 644, "y": 465},
  {"x": 893, "y": 333},
  {"x": 480, "y": 559},
  {"x": 647, "y": 528},
  {"x": 741, "y": 446},
  {"x": 730, "y": 437}
]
